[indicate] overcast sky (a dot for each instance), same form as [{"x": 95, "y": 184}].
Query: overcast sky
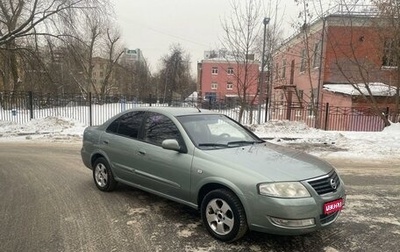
[{"x": 154, "y": 25}]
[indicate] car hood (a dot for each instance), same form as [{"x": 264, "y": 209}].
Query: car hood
[{"x": 271, "y": 162}]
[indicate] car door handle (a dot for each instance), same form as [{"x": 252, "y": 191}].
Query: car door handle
[
  {"x": 105, "y": 142},
  {"x": 142, "y": 152}
]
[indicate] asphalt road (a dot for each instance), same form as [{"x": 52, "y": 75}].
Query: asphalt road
[{"x": 50, "y": 203}]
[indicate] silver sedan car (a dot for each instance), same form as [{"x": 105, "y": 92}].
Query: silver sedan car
[{"x": 212, "y": 163}]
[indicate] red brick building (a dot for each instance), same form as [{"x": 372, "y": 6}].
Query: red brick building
[
  {"x": 334, "y": 50},
  {"x": 225, "y": 80}
]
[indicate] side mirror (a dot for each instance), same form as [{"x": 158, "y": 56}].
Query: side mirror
[{"x": 171, "y": 144}]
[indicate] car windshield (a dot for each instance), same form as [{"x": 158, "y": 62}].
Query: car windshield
[{"x": 216, "y": 131}]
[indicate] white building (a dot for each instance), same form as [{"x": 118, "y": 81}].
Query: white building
[{"x": 131, "y": 56}]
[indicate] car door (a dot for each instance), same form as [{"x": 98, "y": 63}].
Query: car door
[
  {"x": 162, "y": 170},
  {"x": 120, "y": 142}
]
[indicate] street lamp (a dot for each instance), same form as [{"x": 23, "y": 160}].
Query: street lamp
[{"x": 261, "y": 83}]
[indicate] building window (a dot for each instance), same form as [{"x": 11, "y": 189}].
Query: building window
[
  {"x": 277, "y": 71},
  {"x": 389, "y": 58},
  {"x": 303, "y": 60},
  {"x": 214, "y": 70},
  {"x": 317, "y": 54},
  {"x": 214, "y": 85},
  {"x": 229, "y": 86},
  {"x": 284, "y": 68},
  {"x": 230, "y": 70}
]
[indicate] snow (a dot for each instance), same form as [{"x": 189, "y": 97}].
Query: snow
[
  {"x": 377, "y": 89},
  {"x": 370, "y": 145},
  {"x": 192, "y": 97},
  {"x": 335, "y": 144},
  {"x": 50, "y": 128}
]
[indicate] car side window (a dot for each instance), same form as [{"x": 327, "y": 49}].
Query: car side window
[
  {"x": 127, "y": 125},
  {"x": 158, "y": 127}
]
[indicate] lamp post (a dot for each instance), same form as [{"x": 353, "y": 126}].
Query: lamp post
[{"x": 261, "y": 83}]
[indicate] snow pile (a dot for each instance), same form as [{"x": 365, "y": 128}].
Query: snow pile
[
  {"x": 393, "y": 128},
  {"x": 376, "y": 88},
  {"x": 385, "y": 144},
  {"x": 48, "y": 127},
  {"x": 373, "y": 144},
  {"x": 285, "y": 129}
]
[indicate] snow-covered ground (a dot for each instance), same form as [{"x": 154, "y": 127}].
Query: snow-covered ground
[
  {"x": 366, "y": 145},
  {"x": 47, "y": 129}
]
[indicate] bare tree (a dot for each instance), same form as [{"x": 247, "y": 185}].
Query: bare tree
[
  {"x": 273, "y": 38},
  {"x": 143, "y": 81},
  {"x": 135, "y": 78},
  {"x": 99, "y": 45},
  {"x": 84, "y": 49},
  {"x": 22, "y": 18},
  {"x": 175, "y": 74},
  {"x": 24, "y": 23},
  {"x": 114, "y": 52},
  {"x": 242, "y": 31},
  {"x": 389, "y": 11},
  {"x": 383, "y": 47},
  {"x": 311, "y": 51}
]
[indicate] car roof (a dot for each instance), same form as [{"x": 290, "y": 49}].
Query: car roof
[{"x": 176, "y": 111}]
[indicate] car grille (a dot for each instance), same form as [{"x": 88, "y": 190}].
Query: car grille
[
  {"x": 328, "y": 218},
  {"x": 326, "y": 184}
]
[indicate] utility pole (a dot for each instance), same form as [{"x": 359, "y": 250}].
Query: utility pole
[{"x": 261, "y": 82}]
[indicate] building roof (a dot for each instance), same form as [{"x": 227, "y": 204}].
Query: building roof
[
  {"x": 192, "y": 96},
  {"x": 377, "y": 89},
  {"x": 342, "y": 14},
  {"x": 224, "y": 56}
]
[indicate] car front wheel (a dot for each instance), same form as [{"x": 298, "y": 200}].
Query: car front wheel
[
  {"x": 102, "y": 175},
  {"x": 223, "y": 215}
]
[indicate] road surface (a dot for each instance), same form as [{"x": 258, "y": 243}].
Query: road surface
[{"x": 50, "y": 203}]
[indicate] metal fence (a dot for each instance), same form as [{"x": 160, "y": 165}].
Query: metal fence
[
  {"x": 24, "y": 106},
  {"x": 328, "y": 117}
]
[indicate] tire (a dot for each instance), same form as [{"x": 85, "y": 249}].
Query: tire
[
  {"x": 103, "y": 176},
  {"x": 223, "y": 215}
]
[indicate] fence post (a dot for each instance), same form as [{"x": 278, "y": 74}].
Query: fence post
[
  {"x": 289, "y": 107},
  {"x": 30, "y": 95},
  {"x": 90, "y": 109},
  {"x": 326, "y": 116},
  {"x": 387, "y": 113},
  {"x": 150, "y": 99}
]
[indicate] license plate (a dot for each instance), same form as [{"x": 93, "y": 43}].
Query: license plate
[{"x": 333, "y": 206}]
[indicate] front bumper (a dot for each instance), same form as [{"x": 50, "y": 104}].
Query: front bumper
[{"x": 284, "y": 216}]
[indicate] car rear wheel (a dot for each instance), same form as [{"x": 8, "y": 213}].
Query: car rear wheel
[
  {"x": 223, "y": 215},
  {"x": 102, "y": 175}
]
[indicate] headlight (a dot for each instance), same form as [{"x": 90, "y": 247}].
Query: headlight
[{"x": 284, "y": 190}]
